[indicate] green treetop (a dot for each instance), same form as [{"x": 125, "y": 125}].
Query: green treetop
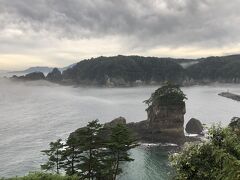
[
  {"x": 71, "y": 155},
  {"x": 218, "y": 158},
  {"x": 121, "y": 141},
  {"x": 167, "y": 95},
  {"x": 92, "y": 152},
  {"x": 54, "y": 157}
]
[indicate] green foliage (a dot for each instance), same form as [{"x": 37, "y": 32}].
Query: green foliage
[
  {"x": 90, "y": 143},
  {"x": 54, "y": 156},
  {"x": 92, "y": 152},
  {"x": 224, "y": 68},
  {"x": 71, "y": 155},
  {"x": 121, "y": 141},
  {"x": 43, "y": 176},
  {"x": 128, "y": 68},
  {"x": 168, "y": 94},
  {"x": 215, "y": 159}
]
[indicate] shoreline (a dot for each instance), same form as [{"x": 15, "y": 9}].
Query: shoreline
[{"x": 86, "y": 85}]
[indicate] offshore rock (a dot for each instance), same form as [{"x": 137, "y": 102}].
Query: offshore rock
[
  {"x": 113, "y": 123},
  {"x": 164, "y": 125},
  {"x": 194, "y": 126}
]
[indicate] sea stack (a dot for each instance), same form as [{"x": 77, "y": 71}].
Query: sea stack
[{"x": 165, "y": 123}]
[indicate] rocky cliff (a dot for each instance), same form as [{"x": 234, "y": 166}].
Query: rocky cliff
[
  {"x": 166, "y": 109},
  {"x": 164, "y": 125}
]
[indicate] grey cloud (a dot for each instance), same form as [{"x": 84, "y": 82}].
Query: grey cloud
[{"x": 143, "y": 23}]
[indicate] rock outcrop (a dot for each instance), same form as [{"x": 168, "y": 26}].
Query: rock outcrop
[
  {"x": 55, "y": 75},
  {"x": 164, "y": 124},
  {"x": 166, "y": 109},
  {"x": 119, "y": 120},
  {"x": 194, "y": 126}
]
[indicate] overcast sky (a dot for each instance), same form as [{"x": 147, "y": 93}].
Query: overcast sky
[{"x": 61, "y": 32}]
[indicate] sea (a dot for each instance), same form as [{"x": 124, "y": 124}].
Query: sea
[{"x": 32, "y": 114}]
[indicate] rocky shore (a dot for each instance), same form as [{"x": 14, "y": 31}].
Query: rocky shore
[{"x": 56, "y": 76}]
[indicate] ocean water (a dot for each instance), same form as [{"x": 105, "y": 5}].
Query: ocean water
[{"x": 32, "y": 114}]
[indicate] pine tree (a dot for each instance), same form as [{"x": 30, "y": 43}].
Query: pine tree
[
  {"x": 121, "y": 141},
  {"x": 71, "y": 155},
  {"x": 91, "y": 144},
  {"x": 54, "y": 157},
  {"x": 92, "y": 152},
  {"x": 167, "y": 95}
]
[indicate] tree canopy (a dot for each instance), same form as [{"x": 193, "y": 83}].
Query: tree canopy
[
  {"x": 127, "y": 68},
  {"x": 224, "y": 68},
  {"x": 167, "y": 95},
  {"x": 215, "y": 159},
  {"x": 92, "y": 152}
]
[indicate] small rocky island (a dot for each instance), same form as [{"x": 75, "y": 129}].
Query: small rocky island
[
  {"x": 165, "y": 122},
  {"x": 229, "y": 95},
  {"x": 166, "y": 109}
]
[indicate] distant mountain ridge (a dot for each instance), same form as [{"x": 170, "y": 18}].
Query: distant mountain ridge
[{"x": 43, "y": 69}]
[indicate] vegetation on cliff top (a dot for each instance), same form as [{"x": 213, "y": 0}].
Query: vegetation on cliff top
[{"x": 167, "y": 95}]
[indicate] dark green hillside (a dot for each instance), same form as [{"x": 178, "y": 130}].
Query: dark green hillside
[
  {"x": 138, "y": 70},
  {"x": 125, "y": 70},
  {"x": 224, "y": 69}
]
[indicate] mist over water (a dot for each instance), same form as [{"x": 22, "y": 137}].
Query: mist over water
[{"x": 34, "y": 113}]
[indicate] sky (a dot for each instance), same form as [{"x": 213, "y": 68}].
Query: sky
[{"x": 61, "y": 32}]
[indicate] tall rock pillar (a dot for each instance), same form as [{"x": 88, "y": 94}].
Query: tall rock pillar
[{"x": 166, "y": 123}]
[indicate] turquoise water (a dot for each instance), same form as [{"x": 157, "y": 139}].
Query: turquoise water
[{"x": 151, "y": 163}]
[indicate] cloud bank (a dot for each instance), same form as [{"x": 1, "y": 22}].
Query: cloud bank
[{"x": 56, "y": 32}]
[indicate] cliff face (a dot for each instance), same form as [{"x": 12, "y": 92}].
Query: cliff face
[
  {"x": 166, "y": 117},
  {"x": 164, "y": 125}
]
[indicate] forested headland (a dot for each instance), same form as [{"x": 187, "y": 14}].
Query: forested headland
[{"x": 137, "y": 70}]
